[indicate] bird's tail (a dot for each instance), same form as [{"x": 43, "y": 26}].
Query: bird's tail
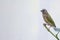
[{"x": 56, "y": 29}]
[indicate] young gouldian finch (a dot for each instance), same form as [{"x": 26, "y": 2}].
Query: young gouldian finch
[{"x": 47, "y": 18}]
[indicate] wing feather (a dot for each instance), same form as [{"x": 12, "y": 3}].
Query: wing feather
[{"x": 50, "y": 20}]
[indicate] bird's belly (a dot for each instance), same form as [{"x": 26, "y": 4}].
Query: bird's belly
[{"x": 47, "y": 21}]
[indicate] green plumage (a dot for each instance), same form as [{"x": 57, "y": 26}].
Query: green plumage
[
  {"x": 47, "y": 18},
  {"x": 50, "y": 20}
]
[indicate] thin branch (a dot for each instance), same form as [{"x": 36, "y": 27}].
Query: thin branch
[
  {"x": 57, "y": 34},
  {"x": 50, "y": 32}
]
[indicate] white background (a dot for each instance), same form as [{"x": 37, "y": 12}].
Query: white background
[{"x": 22, "y": 19}]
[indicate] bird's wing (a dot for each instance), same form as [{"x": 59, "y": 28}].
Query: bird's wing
[{"x": 50, "y": 20}]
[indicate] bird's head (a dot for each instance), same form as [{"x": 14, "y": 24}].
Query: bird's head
[{"x": 43, "y": 10}]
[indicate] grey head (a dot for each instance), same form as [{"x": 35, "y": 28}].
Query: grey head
[{"x": 44, "y": 11}]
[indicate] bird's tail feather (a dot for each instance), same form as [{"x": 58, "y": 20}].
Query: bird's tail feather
[{"x": 57, "y": 29}]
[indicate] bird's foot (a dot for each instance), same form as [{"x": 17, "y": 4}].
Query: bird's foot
[{"x": 44, "y": 24}]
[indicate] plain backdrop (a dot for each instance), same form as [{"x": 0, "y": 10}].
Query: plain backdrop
[{"x": 22, "y": 19}]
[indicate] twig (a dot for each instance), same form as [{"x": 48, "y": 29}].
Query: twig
[
  {"x": 51, "y": 32},
  {"x": 57, "y": 34}
]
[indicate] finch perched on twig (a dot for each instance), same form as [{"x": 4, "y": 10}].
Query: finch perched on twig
[
  {"x": 47, "y": 18},
  {"x": 49, "y": 21}
]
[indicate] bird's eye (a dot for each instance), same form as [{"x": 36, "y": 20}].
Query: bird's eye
[{"x": 43, "y": 10}]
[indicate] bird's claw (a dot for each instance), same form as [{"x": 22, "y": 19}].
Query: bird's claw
[{"x": 44, "y": 24}]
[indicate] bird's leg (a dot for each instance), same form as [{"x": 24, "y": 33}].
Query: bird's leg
[
  {"x": 44, "y": 24},
  {"x": 49, "y": 27}
]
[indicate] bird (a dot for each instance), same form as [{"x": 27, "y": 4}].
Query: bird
[{"x": 48, "y": 20}]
